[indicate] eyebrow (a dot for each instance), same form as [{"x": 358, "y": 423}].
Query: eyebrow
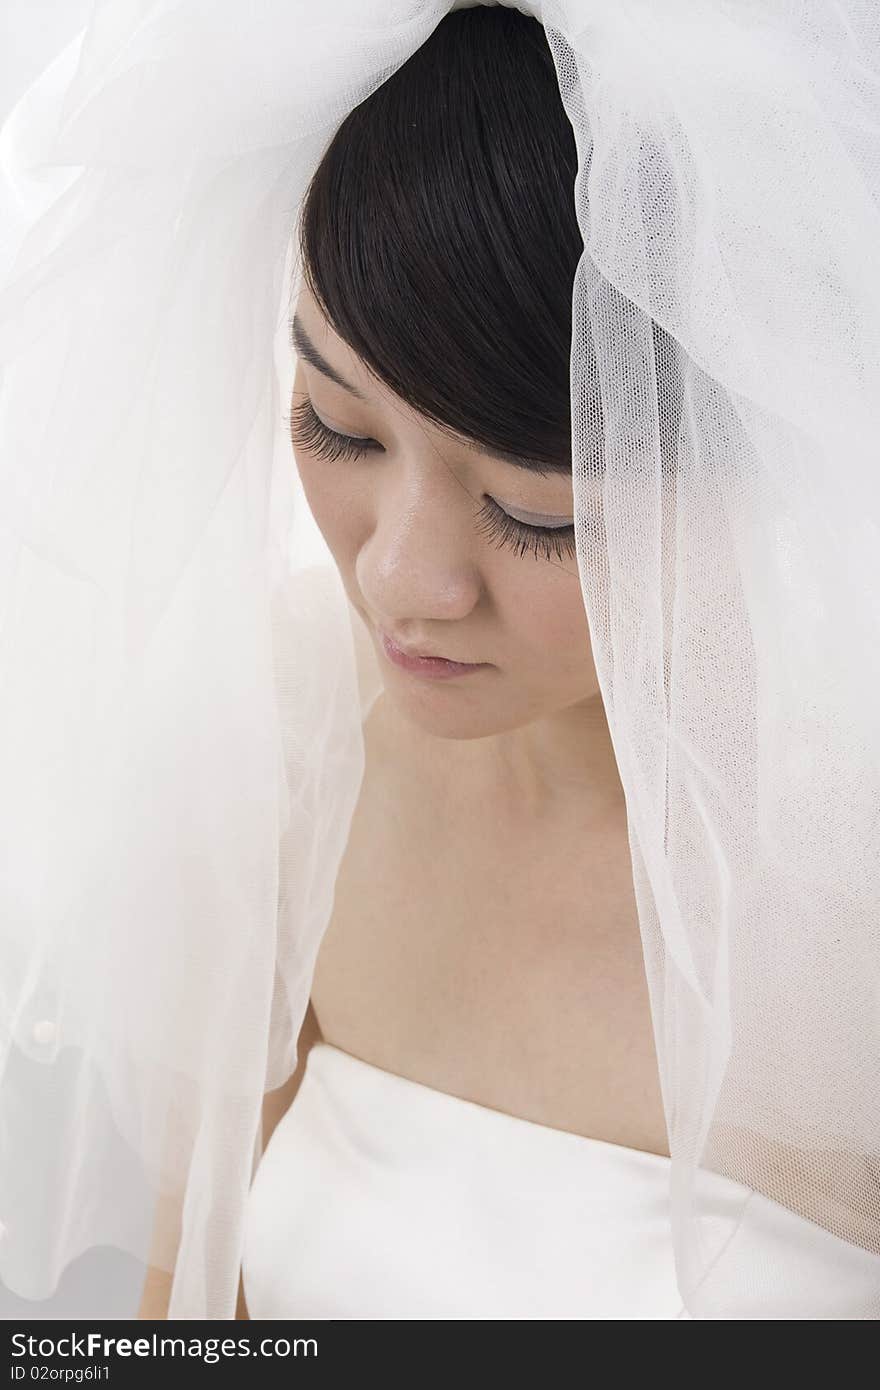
[{"x": 309, "y": 353}]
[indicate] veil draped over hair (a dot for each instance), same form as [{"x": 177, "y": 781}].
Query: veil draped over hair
[{"x": 181, "y": 743}]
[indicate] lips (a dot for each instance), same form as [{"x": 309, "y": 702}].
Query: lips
[
  {"x": 422, "y": 655},
  {"x": 418, "y": 664}
]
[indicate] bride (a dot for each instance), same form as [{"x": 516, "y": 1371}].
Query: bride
[
  {"x": 501, "y": 981},
  {"x": 484, "y": 941}
]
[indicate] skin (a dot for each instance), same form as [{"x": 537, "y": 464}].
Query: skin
[
  {"x": 518, "y": 980},
  {"x": 403, "y": 529}
]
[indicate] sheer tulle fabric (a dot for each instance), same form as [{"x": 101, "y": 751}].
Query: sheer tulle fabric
[{"x": 180, "y": 716}]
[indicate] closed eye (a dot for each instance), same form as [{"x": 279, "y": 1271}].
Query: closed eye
[
  {"x": 543, "y": 541},
  {"x": 312, "y": 435}
]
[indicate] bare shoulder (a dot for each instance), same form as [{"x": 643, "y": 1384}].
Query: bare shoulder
[{"x": 276, "y": 1103}]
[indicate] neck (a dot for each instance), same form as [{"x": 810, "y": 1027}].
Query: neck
[
  {"x": 560, "y": 765},
  {"x": 563, "y": 761}
]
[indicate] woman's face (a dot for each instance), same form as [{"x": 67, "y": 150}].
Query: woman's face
[{"x": 417, "y": 527}]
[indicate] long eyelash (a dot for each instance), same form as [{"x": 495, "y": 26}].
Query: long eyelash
[
  {"x": 548, "y": 542},
  {"x": 312, "y": 434},
  {"x": 551, "y": 542}
]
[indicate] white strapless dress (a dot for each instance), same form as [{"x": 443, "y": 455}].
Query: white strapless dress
[{"x": 380, "y": 1197}]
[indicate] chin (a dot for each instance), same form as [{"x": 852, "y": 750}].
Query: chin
[{"x": 443, "y": 710}]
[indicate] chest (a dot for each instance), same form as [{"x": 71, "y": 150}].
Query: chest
[{"x": 494, "y": 957}]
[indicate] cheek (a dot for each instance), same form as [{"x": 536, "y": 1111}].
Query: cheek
[
  {"x": 545, "y": 613},
  {"x": 333, "y": 502}
]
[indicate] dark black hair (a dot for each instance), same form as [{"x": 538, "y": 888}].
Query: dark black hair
[{"x": 439, "y": 237}]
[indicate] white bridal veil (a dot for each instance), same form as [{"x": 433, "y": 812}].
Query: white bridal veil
[{"x": 180, "y": 716}]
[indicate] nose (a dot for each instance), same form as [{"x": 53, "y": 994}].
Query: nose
[{"x": 418, "y": 562}]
